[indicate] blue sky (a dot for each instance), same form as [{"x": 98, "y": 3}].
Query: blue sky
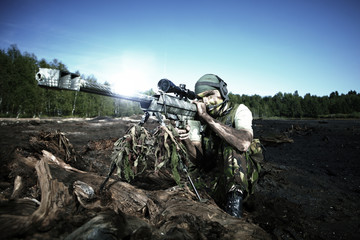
[{"x": 258, "y": 47}]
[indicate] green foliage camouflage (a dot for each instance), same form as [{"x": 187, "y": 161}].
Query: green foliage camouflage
[
  {"x": 254, "y": 157},
  {"x": 139, "y": 150}
]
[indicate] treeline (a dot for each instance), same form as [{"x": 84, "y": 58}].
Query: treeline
[
  {"x": 289, "y": 105},
  {"x": 21, "y": 97}
]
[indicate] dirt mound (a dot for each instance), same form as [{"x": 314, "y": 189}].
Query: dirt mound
[{"x": 309, "y": 187}]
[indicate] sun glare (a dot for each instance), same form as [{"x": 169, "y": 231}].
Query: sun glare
[{"x": 133, "y": 73}]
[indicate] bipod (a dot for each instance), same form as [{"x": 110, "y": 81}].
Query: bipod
[
  {"x": 190, "y": 180},
  {"x": 112, "y": 168},
  {"x": 145, "y": 117}
]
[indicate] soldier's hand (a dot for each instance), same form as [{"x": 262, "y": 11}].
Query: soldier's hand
[
  {"x": 184, "y": 132},
  {"x": 201, "y": 108}
]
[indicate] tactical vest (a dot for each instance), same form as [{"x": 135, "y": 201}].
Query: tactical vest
[{"x": 213, "y": 145}]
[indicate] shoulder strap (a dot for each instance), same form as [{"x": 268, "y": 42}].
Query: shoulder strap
[{"x": 228, "y": 116}]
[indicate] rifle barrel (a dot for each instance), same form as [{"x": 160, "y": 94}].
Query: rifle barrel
[
  {"x": 174, "y": 108},
  {"x": 53, "y": 78}
]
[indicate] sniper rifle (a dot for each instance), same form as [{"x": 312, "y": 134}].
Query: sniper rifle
[{"x": 175, "y": 107}]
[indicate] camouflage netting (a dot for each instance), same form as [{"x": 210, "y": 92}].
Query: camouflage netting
[{"x": 139, "y": 150}]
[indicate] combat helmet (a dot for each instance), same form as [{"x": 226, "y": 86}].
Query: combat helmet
[{"x": 212, "y": 82}]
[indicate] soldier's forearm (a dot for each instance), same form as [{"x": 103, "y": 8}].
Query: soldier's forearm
[{"x": 239, "y": 139}]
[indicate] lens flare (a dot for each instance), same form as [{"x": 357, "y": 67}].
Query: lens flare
[{"x": 130, "y": 73}]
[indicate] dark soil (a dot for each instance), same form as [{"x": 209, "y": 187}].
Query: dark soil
[{"x": 309, "y": 188}]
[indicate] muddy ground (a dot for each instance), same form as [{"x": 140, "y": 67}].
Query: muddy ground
[{"x": 309, "y": 187}]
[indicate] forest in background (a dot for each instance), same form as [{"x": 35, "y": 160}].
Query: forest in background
[{"x": 21, "y": 97}]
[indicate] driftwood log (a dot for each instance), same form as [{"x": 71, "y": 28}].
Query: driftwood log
[{"x": 71, "y": 207}]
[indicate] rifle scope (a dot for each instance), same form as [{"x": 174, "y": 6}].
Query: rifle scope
[{"x": 168, "y": 86}]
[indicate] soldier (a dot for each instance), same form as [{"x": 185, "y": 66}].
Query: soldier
[{"x": 219, "y": 155}]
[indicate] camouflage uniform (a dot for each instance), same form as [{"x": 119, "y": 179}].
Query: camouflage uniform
[{"x": 223, "y": 168}]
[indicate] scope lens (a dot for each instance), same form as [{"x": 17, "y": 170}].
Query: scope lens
[{"x": 164, "y": 85}]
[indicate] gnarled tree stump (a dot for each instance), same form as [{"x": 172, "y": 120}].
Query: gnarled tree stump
[{"x": 72, "y": 207}]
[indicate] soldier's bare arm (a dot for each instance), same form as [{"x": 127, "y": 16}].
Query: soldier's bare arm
[{"x": 239, "y": 139}]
